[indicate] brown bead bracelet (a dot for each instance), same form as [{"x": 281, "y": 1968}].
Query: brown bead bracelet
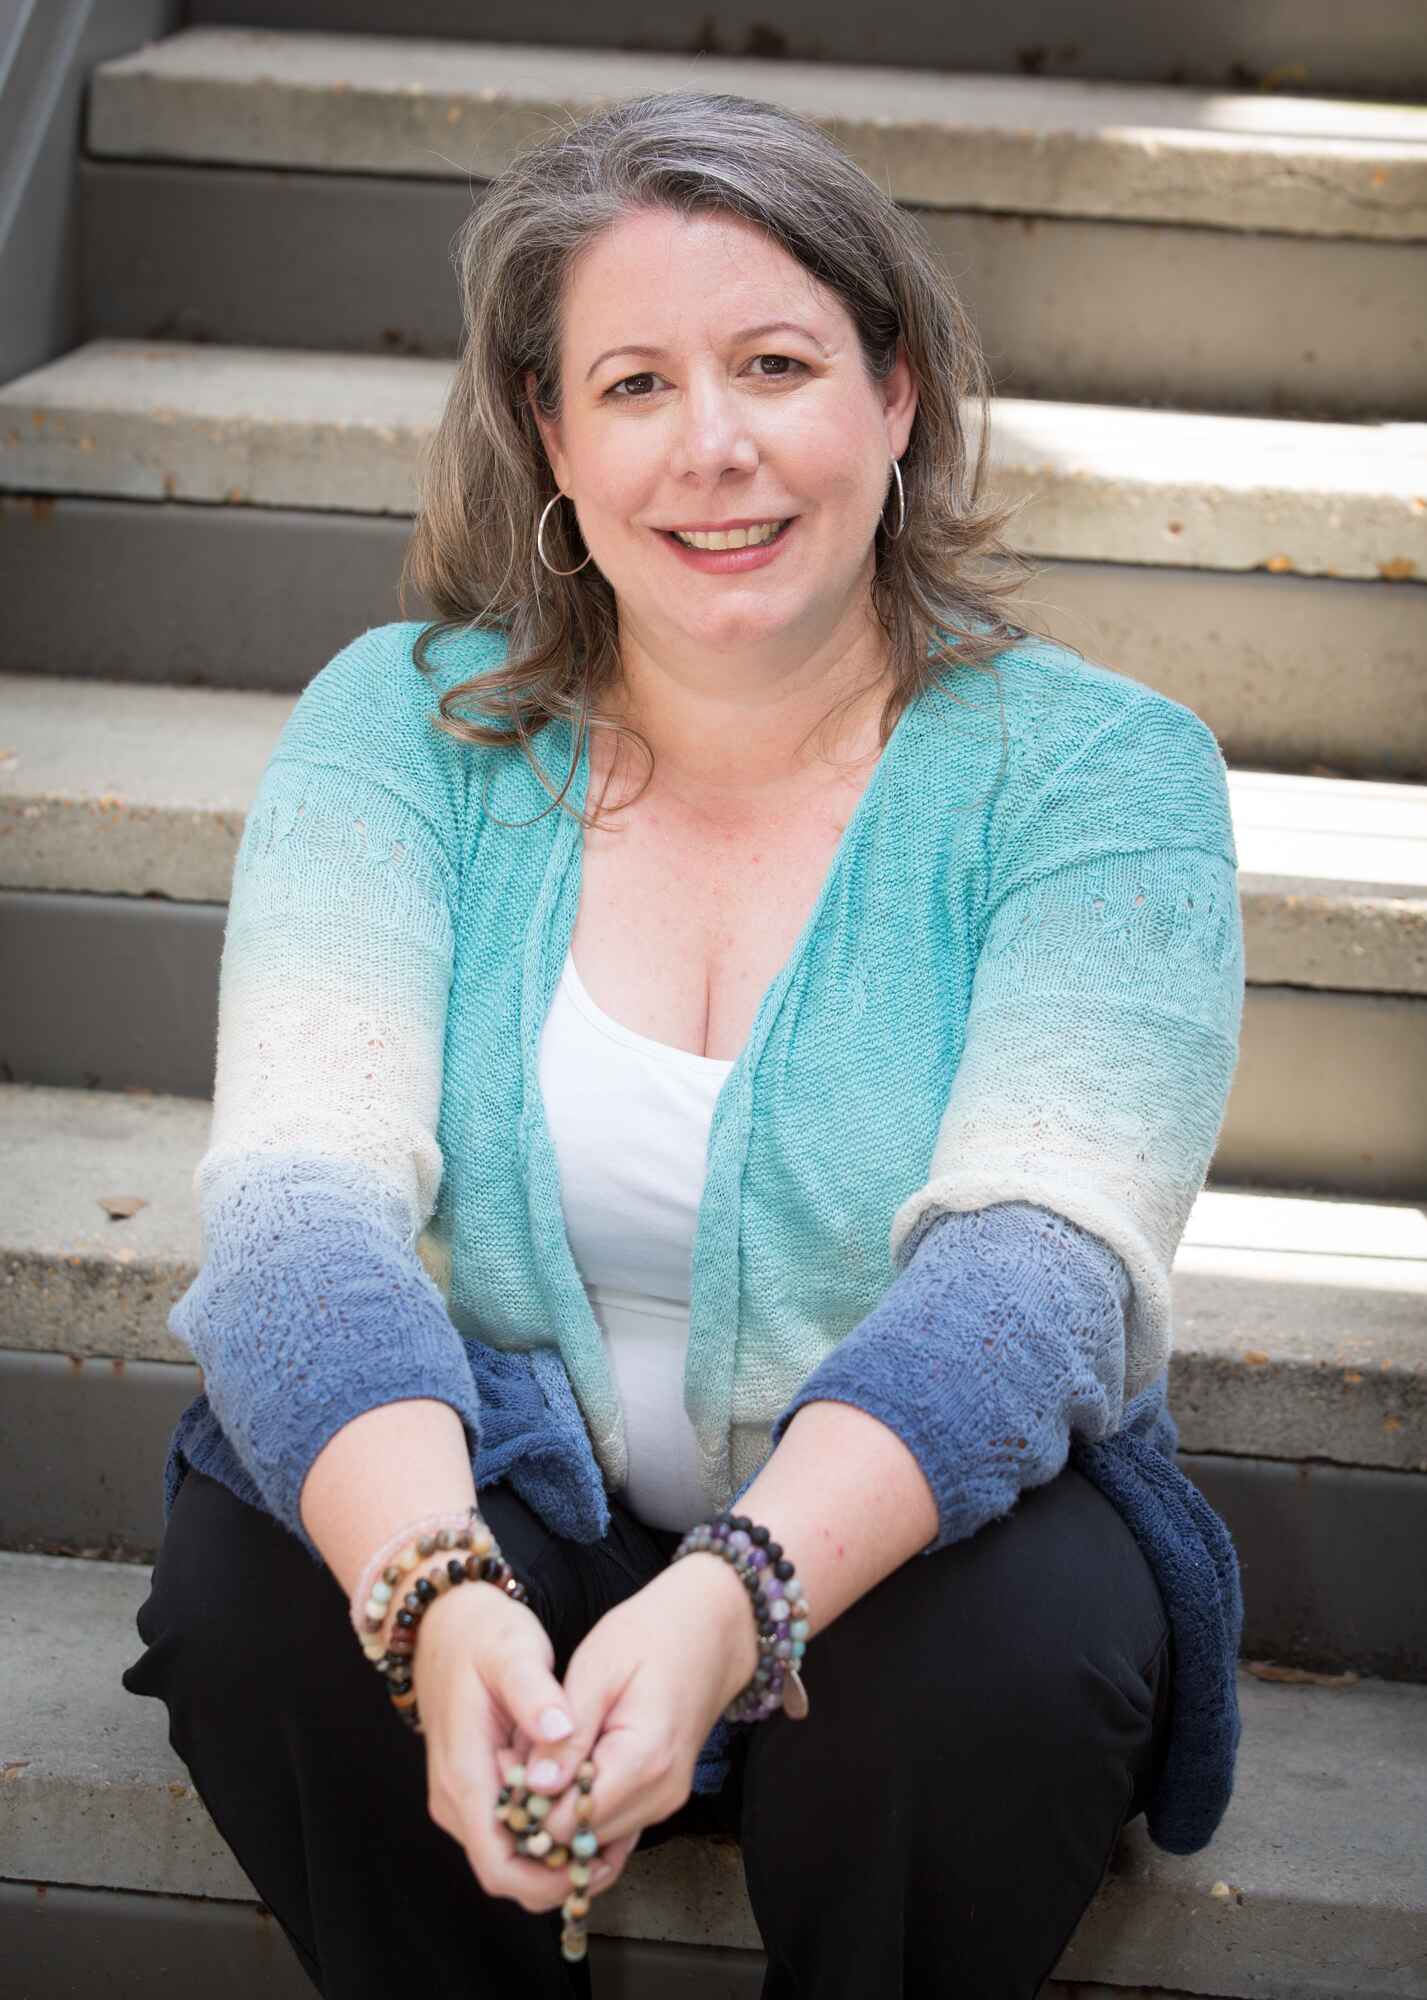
[
  {"x": 483, "y": 1564},
  {"x": 518, "y": 1806}
]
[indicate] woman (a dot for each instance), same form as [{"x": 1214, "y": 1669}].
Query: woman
[{"x": 813, "y": 1125}]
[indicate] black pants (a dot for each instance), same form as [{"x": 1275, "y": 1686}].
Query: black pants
[{"x": 984, "y": 1721}]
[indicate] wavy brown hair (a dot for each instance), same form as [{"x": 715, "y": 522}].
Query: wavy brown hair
[{"x": 485, "y": 477}]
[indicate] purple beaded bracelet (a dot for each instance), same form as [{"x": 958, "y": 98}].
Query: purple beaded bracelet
[{"x": 779, "y": 1608}]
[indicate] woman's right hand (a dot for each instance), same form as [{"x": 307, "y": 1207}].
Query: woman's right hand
[{"x": 484, "y": 1678}]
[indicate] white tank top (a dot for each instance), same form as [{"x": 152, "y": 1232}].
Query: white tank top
[{"x": 629, "y": 1121}]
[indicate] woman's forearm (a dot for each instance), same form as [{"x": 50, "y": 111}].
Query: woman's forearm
[
  {"x": 847, "y": 1500},
  {"x": 845, "y": 1531},
  {"x": 386, "y": 1467}
]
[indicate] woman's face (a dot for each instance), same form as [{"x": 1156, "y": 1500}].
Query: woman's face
[{"x": 711, "y": 385}]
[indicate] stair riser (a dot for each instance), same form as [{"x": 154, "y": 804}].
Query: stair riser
[
  {"x": 150, "y": 1022},
  {"x": 82, "y": 1446},
  {"x": 66, "y": 1943},
  {"x": 82, "y": 1449},
  {"x": 1067, "y": 309},
  {"x": 1301, "y": 1530},
  {"x": 1374, "y": 48},
  {"x": 261, "y": 598},
  {"x": 234, "y": 597},
  {"x": 1330, "y": 1092}
]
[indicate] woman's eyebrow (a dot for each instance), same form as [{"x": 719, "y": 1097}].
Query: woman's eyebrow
[{"x": 746, "y": 333}]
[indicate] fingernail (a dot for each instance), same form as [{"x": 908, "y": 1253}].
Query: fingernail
[
  {"x": 544, "y": 1774},
  {"x": 554, "y": 1724},
  {"x": 601, "y": 1871}
]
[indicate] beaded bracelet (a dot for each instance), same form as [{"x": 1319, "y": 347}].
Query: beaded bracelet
[
  {"x": 779, "y": 1608},
  {"x": 393, "y": 1656},
  {"x": 374, "y": 1588},
  {"x": 523, "y": 1810}
]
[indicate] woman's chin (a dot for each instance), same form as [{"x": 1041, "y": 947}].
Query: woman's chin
[{"x": 735, "y": 628}]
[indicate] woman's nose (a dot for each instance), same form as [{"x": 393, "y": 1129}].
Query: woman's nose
[{"x": 713, "y": 435}]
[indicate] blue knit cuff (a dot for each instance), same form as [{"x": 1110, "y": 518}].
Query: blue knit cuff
[
  {"x": 1003, "y": 1334},
  {"x": 309, "y": 1310}
]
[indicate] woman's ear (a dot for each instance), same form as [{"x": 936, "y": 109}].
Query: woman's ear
[
  {"x": 899, "y": 400},
  {"x": 548, "y": 428}
]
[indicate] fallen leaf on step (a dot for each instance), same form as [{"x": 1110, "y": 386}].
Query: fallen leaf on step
[
  {"x": 120, "y": 1206},
  {"x": 1227, "y": 1892},
  {"x": 1265, "y": 1670}
]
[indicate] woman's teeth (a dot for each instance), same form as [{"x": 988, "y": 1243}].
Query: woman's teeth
[{"x": 731, "y": 538}]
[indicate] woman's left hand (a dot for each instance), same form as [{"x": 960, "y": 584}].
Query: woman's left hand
[{"x": 644, "y": 1688}]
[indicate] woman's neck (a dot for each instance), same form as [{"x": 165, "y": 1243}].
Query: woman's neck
[{"x": 735, "y": 744}]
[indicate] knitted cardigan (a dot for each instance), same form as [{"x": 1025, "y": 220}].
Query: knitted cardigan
[{"x": 946, "y": 1176}]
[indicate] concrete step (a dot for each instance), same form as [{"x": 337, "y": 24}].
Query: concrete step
[
  {"x": 1299, "y": 1377},
  {"x": 1333, "y": 872},
  {"x": 1375, "y": 51},
  {"x": 1289, "y": 1902},
  {"x": 1286, "y": 281},
  {"x": 270, "y": 428},
  {"x": 1152, "y": 522},
  {"x": 1299, "y": 1322},
  {"x": 1030, "y": 145}
]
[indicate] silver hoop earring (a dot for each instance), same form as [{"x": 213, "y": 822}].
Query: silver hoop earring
[
  {"x": 540, "y": 543},
  {"x": 901, "y": 505}
]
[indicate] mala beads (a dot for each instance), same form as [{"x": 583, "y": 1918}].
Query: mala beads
[
  {"x": 517, "y": 1806},
  {"x": 524, "y": 1812},
  {"x": 466, "y": 1552},
  {"x": 779, "y": 1608}
]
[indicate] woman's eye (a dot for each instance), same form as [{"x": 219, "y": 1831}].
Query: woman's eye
[
  {"x": 638, "y": 388},
  {"x": 786, "y": 364}
]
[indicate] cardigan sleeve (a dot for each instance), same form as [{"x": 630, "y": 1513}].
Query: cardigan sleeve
[
  {"x": 1103, "y": 1027},
  {"x": 312, "y": 1303},
  {"x": 1031, "y": 1300}
]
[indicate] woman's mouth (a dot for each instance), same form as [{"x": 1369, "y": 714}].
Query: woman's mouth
[{"x": 729, "y": 549}]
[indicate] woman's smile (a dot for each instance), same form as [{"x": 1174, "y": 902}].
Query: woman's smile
[{"x": 731, "y": 551}]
